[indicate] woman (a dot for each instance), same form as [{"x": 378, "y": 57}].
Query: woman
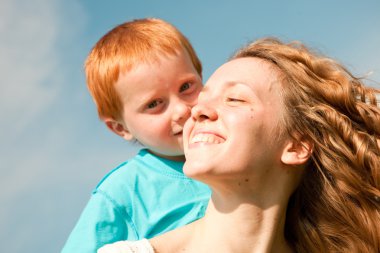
[{"x": 289, "y": 143}]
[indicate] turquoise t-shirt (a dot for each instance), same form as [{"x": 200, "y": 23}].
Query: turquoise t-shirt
[{"x": 141, "y": 198}]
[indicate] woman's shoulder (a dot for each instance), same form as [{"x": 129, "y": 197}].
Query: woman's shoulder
[{"x": 141, "y": 246}]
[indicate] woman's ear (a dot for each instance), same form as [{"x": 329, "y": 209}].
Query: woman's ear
[
  {"x": 118, "y": 128},
  {"x": 297, "y": 152}
]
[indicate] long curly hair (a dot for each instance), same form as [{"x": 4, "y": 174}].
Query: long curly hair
[{"x": 336, "y": 207}]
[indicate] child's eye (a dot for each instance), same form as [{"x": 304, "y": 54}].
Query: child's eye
[
  {"x": 154, "y": 104},
  {"x": 184, "y": 87}
]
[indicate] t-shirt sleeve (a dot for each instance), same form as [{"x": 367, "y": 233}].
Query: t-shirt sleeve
[{"x": 100, "y": 223}]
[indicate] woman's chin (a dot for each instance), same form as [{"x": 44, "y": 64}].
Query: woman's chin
[{"x": 195, "y": 170}]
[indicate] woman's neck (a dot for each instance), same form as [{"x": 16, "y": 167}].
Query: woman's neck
[
  {"x": 240, "y": 227},
  {"x": 239, "y": 218}
]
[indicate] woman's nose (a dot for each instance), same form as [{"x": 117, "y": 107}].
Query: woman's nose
[{"x": 202, "y": 111}]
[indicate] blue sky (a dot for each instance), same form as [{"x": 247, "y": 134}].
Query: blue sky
[{"x": 53, "y": 148}]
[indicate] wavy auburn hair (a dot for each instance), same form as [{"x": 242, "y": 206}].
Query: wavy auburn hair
[{"x": 336, "y": 207}]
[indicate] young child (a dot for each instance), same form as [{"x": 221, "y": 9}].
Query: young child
[{"x": 144, "y": 77}]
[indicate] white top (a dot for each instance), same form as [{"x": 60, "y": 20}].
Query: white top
[{"x": 141, "y": 246}]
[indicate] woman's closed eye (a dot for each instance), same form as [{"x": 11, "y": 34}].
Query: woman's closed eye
[{"x": 235, "y": 100}]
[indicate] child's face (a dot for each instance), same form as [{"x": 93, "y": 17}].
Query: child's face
[{"x": 157, "y": 99}]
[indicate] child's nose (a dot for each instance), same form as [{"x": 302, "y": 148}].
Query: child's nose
[{"x": 182, "y": 112}]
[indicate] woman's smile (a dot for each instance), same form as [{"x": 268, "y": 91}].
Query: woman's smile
[{"x": 205, "y": 138}]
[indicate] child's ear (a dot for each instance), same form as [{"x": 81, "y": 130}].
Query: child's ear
[
  {"x": 118, "y": 128},
  {"x": 297, "y": 152}
]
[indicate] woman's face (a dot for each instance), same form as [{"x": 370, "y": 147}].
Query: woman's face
[{"x": 234, "y": 129}]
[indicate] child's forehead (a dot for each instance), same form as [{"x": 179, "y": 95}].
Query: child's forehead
[
  {"x": 154, "y": 60},
  {"x": 150, "y": 59},
  {"x": 157, "y": 56},
  {"x": 162, "y": 72}
]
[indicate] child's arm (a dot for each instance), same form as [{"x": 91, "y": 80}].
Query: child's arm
[{"x": 101, "y": 222}]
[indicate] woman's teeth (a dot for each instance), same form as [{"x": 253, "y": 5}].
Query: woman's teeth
[{"x": 206, "y": 138}]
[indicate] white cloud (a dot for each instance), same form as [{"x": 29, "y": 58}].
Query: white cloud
[
  {"x": 34, "y": 148},
  {"x": 33, "y": 77},
  {"x": 28, "y": 62},
  {"x": 37, "y": 38}
]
